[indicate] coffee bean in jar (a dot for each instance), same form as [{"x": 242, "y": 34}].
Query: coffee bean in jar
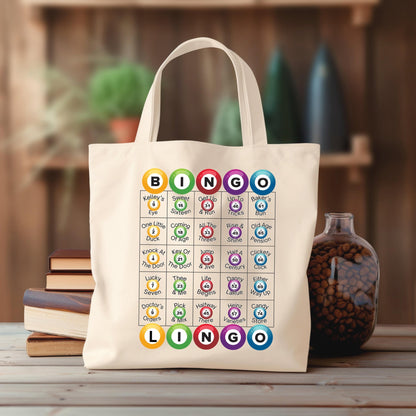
[{"x": 343, "y": 275}]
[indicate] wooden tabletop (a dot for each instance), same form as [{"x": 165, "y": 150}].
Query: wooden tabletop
[{"x": 379, "y": 381}]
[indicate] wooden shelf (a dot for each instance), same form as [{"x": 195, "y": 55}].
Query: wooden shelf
[
  {"x": 355, "y": 161},
  {"x": 359, "y": 157},
  {"x": 361, "y": 10},
  {"x": 58, "y": 163},
  {"x": 200, "y": 3}
]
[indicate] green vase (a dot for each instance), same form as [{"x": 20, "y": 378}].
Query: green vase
[
  {"x": 279, "y": 103},
  {"x": 227, "y": 126},
  {"x": 325, "y": 121}
]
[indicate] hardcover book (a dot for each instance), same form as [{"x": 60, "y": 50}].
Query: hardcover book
[
  {"x": 69, "y": 281},
  {"x": 58, "y": 313},
  {"x": 46, "y": 345},
  {"x": 70, "y": 259}
]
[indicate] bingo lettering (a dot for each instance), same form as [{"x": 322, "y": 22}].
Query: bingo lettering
[{"x": 207, "y": 259}]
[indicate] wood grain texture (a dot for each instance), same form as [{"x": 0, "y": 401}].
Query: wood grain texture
[
  {"x": 71, "y": 50},
  {"x": 57, "y": 384},
  {"x": 351, "y": 62},
  {"x": 203, "y": 411},
  {"x": 391, "y": 344},
  {"x": 393, "y": 99},
  {"x": 315, "y": 376},
  {"x": 161, "y": 29},
  {"x": 19, "y": 358},
  {"x": 6, "y": 266},
  {"x": 196, "y": 394},
  {"x": 197, "y": 3},
  {"x": 375, "y": 64},
  {"x": 394, "y": 331},
  {"x": 368, "y": 359},
  {"x": 197, "y": 83},
  {"x": 24, "y": 237}
]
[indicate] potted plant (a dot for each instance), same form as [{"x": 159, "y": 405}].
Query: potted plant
[{"x": 118, "y": 94}]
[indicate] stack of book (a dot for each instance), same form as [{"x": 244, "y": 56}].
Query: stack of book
[{"x": 58, "y": 314}]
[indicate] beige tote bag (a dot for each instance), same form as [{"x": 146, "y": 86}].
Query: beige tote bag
[{"x": 199, "y": 251}]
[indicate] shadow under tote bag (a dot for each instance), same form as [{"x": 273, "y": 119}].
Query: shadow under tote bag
[{"x": 199, "y": 251}]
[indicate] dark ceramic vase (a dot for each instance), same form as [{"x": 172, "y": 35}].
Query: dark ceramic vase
[{"x": 325, "y": 121}]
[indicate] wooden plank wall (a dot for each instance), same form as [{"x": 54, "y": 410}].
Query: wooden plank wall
[
  {"x": 371, "y": 62},
  {"x": 195, "y": 83},
  {"x": 393, "y": 205},
  {"x": 23, "y": 210}
]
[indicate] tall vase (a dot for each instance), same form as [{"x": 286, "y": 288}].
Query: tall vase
[
  {"x": 226, "y": 128},
  {"x": 279, "y": 103},
  {"x": 325, "y": 121}
]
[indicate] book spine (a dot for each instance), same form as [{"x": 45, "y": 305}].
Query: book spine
[{"x": 57, "y": 300}]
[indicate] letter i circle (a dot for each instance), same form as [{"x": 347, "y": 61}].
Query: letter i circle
[
  {"x": 182, "y": 181},
  {"x": 179, "y": 336}
]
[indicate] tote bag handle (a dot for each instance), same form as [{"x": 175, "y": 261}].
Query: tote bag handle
[{"x": 251, "y": 110}]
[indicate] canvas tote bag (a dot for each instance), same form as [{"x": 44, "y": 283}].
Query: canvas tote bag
[{"x": 199, "y": 251}]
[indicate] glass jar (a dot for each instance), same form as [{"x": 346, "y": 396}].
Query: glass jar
[{"x": 343, "y": 275}]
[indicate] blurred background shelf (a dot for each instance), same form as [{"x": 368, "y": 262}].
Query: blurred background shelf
[
  {"x": 200, "y": 3},
  {"x": 359, "y": 157},
  {"x": 57, "y": 163},
  {"x": 361, "y": 10}
]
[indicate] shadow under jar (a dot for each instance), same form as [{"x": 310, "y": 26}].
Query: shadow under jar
[{"x": 343, "y": 275}]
